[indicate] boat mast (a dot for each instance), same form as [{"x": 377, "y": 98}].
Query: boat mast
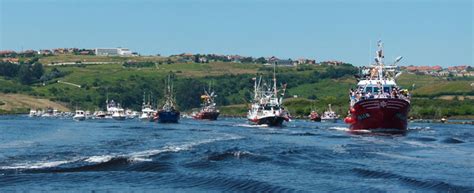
[
  {"x": 275, "y": 92},
  {"x": 172, "y": 95},
  {"x": 255, "y": 89},
  {"x": 379, "y": 59}
]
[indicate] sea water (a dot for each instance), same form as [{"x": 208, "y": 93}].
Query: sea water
[{"x": 63, "y": 155}]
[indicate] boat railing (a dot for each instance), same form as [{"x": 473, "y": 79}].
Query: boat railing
[{"x": 359, "y": 95}]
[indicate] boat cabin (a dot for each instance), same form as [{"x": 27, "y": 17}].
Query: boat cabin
[{"x": 376, "y": 86}]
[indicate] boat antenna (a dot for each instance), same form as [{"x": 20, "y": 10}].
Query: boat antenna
[
  {"x": 380, "y": 59},
  {"x": 274, "y": 80},
  {"x": 169, "y": 85},
  {"x": 370, "y": 51},
  {"x": 107, "y": 96},
  {"x": 149, "y": 98},
  {"x": 255, "y": 87}
]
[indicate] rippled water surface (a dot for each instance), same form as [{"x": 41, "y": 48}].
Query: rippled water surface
[{"x": 229, "y": 155}]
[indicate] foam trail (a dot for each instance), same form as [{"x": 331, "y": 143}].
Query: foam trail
[
  {"x": 38, "y": 165},
  {"x": 418, "y": 128},
  {"x": 99, "y": 159},
  {"x": 339, "y": 128},
  {"x": 396, "y": 156},
  {"x": 251, "y": 126},
  {"x": 182, "y": 147},
  {"x": 133, "y": 157}
]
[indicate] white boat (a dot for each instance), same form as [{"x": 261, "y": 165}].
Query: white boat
[
  {"x": 266, "y": 106},
  {"x": 88, "y": 114},
  {"x": 148, "y": 112},
  {"x": 33, "y": 113},
  {"x": 99, "y": 115},
  {"x": 114, "y": 110},
  {"x": 80, "y": 115},
  {"x": 329, "y": 115},
  {"x": 119, "y": 114},
  {"x": 50, "y": 112},
  {"x": 129, "y": 114}
]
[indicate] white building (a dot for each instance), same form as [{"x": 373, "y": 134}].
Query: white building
[{"x": 113, "y": 52}]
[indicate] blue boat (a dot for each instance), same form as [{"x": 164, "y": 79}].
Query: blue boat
[
  {"x": 168, "y": 116},
  {"x": 168, "y": 113}
]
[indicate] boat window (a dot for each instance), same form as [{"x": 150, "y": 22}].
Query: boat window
[
  {"x": 386, "y": 89},
  {"x": 376, "y": 89},
  {"x": 368, "y": 89}
]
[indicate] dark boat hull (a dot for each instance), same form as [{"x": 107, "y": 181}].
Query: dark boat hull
[
  {"x": 275, "y": 121},
  {"x": 207, "y": 115},
  {"x": 385, "y": 115},
  {"x": 168, "y": 117}
]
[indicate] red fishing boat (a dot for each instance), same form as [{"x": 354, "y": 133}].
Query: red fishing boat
[
  {"x": 208, "y": 106},
  {"x": 378, "y": 104},
  {"x": 314, "y": 116}
]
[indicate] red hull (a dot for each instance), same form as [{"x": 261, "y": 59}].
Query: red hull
[
  {"x": 207, "y": 115},
  {"x": 315, "y": 117},
  {"x": 386, "y": 115}
]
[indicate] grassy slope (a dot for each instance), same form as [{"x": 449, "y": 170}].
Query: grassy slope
[
  {"x": 19, "y": 103},
  {"x": 103, "y": 74},
  {"x": 324, "y": 88},
  {"x": 428, "y": 85}
]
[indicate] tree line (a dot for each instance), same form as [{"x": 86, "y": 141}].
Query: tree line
[{"x": 27, "y": 73}]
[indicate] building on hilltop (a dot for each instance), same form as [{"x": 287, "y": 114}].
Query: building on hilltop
[
  {"x": 7, "y": 53},
  {"x": 113, "y": 52},
  {"x": 332, "y": 63},
  {"x": 437, "y": 70},
  {"x": 280, "y": 62},
  {"x": 457, "y": 68},
  {"x": 58, "y": 51},
  {"x": 412, "y": 68},
  {"x": 45, "y": 52},
  {"x": 305, "y": 61}
]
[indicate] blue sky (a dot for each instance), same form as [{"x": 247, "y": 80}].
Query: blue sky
[{"x": 425, "y": 32}]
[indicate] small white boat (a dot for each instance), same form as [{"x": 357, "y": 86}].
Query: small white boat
[
  {"x": 147, "y": 114},
  {"x": 115, "y": 111},
  {"x": 80, "y": 115},
  {"x": 329, "y": 115},
  {"x": 119, "y": 114},
  {"x": 99, "y": 115},
  {"x": 33, "y": 113},
  {"x": 129, "y": 114}
]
